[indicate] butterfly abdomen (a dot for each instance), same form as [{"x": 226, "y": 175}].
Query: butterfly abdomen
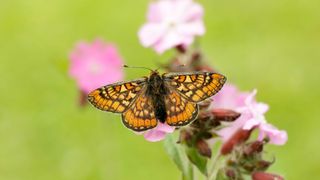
[{"x": 157, "y": 91}]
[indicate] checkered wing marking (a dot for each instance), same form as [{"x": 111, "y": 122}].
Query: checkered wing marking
[
  {"x": 140, "y": 116},
  {"x": 197, "y": 86},
  {"x": 116, "y": 97},
  {"x": 180, "y": 111}
]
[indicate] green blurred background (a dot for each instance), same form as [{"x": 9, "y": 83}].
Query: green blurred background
[{"x": 269, "y": 45}]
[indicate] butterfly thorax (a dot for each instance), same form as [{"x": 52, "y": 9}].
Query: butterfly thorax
[{"x": 157, "y": 91}]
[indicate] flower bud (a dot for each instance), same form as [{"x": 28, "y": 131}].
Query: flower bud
[
  {"x": 239, "y": 137},
  {"x": 181, "y": 48},
  {"x": 231, "y": 174},
  {"x": 225, "y": 115},
  {"x": 203, "y": 148},
  {"x": 263, "y": 165},
  {"x": 185, "y": 137},
  {"x": 265, "y": 176},
  {"x": 252, "y": 148}
]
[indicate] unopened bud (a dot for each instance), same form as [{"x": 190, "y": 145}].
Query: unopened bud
[
  {"x": 263, "y": 165},
  {"x": 185, "y": 137},
  {"x": 225, "y": 115},
  {"x": 265, "y": 176},
  {"x": 231, "y": 174},
  {"x": 203, "y": 148},
  {"x": 181, "y": 48},
  {"x": 254, "y": 147},
  {"x": 239, "y": 137}
]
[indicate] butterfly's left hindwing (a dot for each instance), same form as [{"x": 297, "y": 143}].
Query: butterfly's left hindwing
[
  {"x": 197, "y": 86},
  {"x": 116, "y": 97},
  {"x": 180, "y": 111}
]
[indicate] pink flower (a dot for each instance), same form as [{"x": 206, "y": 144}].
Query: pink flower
[
  {"x": 95, "y": 64},
  {"x": 172, "y": 23},
  {"x": 252, "y": 115},
  {"x": 229, "y": 97},
  {"x": 158, "y": 133},
  {"x": 256, "y": 119}
]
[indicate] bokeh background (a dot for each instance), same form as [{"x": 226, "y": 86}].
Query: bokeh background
[{"x": 269, "y": 45}]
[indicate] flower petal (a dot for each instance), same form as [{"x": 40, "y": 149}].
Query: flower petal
[
  {"x": 154, "y": 136},
  {"x": 165, "y": 128},
  {"x": 276, "y": 136},
  {"x": 251, "y": 98},
  {"x": 262, "y": 108},
  {"x": 251, "y": 123},
  {"x": 151, "y": 33},
  {"x": 191, "y": 28}
]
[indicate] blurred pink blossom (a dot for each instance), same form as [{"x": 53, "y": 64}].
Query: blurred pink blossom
[
  {"x": 252, "y": 115},
  {"x": 95, "y": 64},
  {"x": 158, "y": 133},
  {"x": 171, "y": 23}
]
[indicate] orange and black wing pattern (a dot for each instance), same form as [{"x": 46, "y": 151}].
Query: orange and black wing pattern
[
  {"x": 197, "y": 86},
  {"x": 180, "y": 111},
  {"x": 140, "y": 116},
  {"x": 116, "y": 97}
]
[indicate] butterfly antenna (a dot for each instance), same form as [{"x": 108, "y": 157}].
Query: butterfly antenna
[{"x": 138, "y": 67}]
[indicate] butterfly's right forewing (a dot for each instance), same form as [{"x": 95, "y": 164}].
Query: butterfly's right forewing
[{"x": 117, "y": 97}]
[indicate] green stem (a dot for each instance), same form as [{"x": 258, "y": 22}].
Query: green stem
[
  {"x": 214, "y": 167},
  {"x": 190, "y": 175}
]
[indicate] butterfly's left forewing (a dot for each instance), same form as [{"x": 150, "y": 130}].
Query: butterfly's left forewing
[
  {"x": 116, "y": 97},
  {"x": 196, "y": 86}
]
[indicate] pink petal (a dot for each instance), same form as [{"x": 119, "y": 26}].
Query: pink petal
[
  {"x": 151, "y": 33},
  {"x": 95, "y": 64},
  {"x": 191, "y": 28},
  {"x": 262, "y": 108},
  {"x": 194, "y": 12},
  {"x": 171, "y": 23},
  {"x": 154, "y": 136},
  {"x": 251, "y": 123},
  {"x": 171, "y": 40},
  {"x": 228, "y": 131},
  {"x": 158, "y": 133},
  {"x": 229, "y": 97},
  {"x": 251, "y": 98},
  {"x": 276, "y": 136},
  {"x": 165, "y": 128}
]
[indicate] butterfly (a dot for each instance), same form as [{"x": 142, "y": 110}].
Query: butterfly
[{"x": 170, "y": 98}]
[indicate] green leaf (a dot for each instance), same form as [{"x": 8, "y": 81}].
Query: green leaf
[
  {"x": 198, "y": 160},
  {"x": 177, "y": 154}
]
